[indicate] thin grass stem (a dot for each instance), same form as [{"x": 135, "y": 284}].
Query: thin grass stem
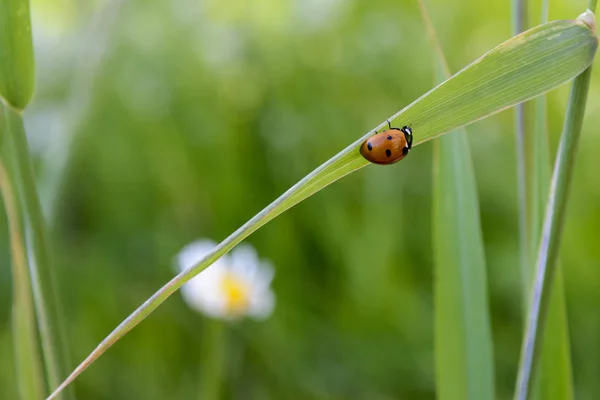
[{"x": 552, "y": 231}]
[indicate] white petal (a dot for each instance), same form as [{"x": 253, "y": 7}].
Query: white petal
[
  {"x": 244, "y": 261},
  {"x": 213, "y": 306},
  {"x": 203, "y": 292},
  {"x": 261, "y": 304},
  {"x": 264, "y": 275},
  {"x": 194, "y": 252}
]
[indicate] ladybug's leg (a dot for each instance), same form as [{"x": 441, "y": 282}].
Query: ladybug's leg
[{"x": 390, "y": 125}]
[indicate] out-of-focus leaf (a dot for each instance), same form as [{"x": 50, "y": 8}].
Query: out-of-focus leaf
[{"x": 16, "y": 53}]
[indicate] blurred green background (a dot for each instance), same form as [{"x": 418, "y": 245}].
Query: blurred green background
[{"x": 188, "y": 117}]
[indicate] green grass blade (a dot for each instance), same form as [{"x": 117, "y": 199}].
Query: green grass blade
[
  {"x": 519, "y": 25},
  {"x": 555, "y": 375},
  {"x": 16, "y": 88},
  {"x": 464, "y": 365},
  {"x": 214, "y": 359},
  {"x": 16, "y": 53},
  {"x": 16, "y": 152},
  {"x": 463, "y": 346},
  {"x": 541, "y": 294},
  {"x": 519, "y": 69},
  {"x": 555, "y": 380},
  {"x": 28, "y": 360},
  {"x": 505, "y": 76}
]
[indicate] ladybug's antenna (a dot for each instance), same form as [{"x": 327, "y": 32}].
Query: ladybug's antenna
[{"x": 389, "y": 124}]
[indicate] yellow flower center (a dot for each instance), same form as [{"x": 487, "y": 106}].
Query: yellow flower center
[{"x": 236, "y": 293}]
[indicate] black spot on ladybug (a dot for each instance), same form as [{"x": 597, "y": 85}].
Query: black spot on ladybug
[
  {"x": 369, "y": 146},
  {"x": 388, "y": 152},
  {"x": 389, "y": 137}
]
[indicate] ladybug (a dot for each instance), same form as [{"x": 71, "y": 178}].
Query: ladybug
[{"x": 388, "y": 146}]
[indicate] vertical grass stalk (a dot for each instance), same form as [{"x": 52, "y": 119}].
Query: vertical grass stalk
[
  {"x": 28, "y": 360},
  {"x": 519, "y": 25},
  {"x": 213, "y": 362},
  {"x": 42, "y": 276},
  {"x": 554, "y": 380},
  {"x": 17, "y": 76},
  {"x": 552, "y": 229},
  {"x": 464, "y": 366}
]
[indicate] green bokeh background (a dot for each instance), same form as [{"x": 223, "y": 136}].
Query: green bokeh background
[{"x": 203, "y": 112}]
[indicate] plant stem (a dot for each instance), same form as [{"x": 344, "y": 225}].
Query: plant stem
[
  {"x": 213, "y": 363},
  {"x": 551, "y": 235},
  {"x": 464, "y": 366},
  {"x": 27, "y": 357},
  {"x": 42, "y": 277},
  {"x": 554, "y": 379},
  {"x": 519, "y": 25}
]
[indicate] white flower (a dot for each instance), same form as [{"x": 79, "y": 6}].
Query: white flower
[{"x": 235, "y": 286}]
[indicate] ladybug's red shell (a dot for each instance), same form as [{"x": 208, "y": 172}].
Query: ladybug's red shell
[{"x": 386, "y": 147}]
